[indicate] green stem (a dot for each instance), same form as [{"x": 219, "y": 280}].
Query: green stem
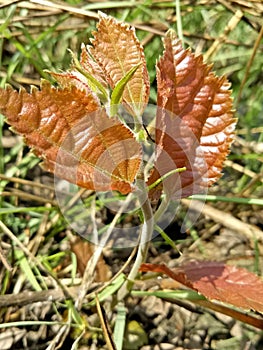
[
  {"x": 145, "y": 238},
  {"x": 164, "y": 177},
  {"x": 162, "y": 208}
]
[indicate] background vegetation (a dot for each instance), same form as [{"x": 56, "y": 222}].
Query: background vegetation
[{"x": 40, "y": 252}]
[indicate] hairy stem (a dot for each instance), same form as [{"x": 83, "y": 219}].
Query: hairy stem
[{"x": 146, "y": 235}]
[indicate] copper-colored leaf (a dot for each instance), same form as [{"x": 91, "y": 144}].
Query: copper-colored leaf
[
  {"x": 117, "y": 50},
  {"x": 91, "y": 66},
  {"x": 218, "y": 281},
  {"x": 70, "y": 79},
  {"x": 194, "y": 123},
  {"x": 72, "y": 133}
]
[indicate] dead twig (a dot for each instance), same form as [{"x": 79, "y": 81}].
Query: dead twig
[
  {"x": 29, "y": 297},
  {"x": 4, "y": 260}
]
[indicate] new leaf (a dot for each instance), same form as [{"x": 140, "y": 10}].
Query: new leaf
[
  {"x": 194, "y": 122},
  {"x": 70, "y": 131},
  {"x": 117, "y": 50}
]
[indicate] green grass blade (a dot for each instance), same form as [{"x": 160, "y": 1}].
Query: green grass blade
[
  {"x": 110, "y": 290},
  {"x": 240, "y": 200},
  {"x": 8, "y": 18},
  {"x": 119, "y": 327},
  {"x": 29, "y": 210},
  {"x": 166, "y": 238},
  {"x": 179, "y": 21},
  {"x": 33, "y": 323},
  {"x": 26, "y": 268},
  {"x": 174, "y": 294}
]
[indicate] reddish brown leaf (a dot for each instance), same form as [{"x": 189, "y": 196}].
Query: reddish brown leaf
[
  {"x": 70, "y": 79},
  {"x": 91, "y": 66},
  {"x": 194, "y": 124},
  {"x": 74, "y": 136},
  {"x": 117, "y": 50},
  {"x": 218, "y": 281}
]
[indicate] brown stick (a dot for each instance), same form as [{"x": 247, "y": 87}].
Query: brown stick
[{"x": 30, "y": 297}]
